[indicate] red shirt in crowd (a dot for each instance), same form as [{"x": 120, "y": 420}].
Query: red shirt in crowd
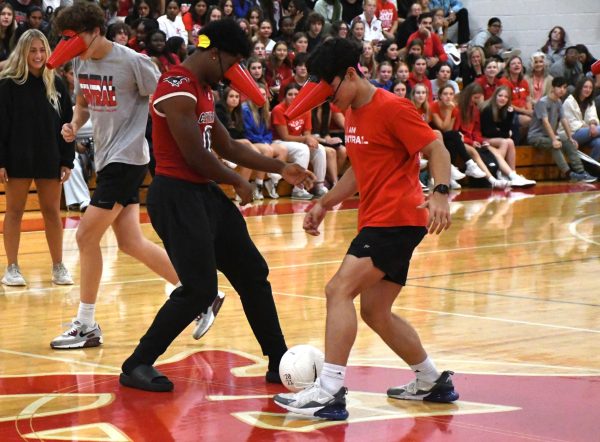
[
  {"x": 432, "y": 45},
  {"x": 435, "y": 109},
  {"x": 179, "y": 81},
  {"x": 295, "y": 127},
  {"x": 384, "y": 153},
  {"x": 472, "y": 130},
  {"x": 282, "y": 74},
  {"x": 387, "y": 13},
  {"x": 413, "y": 81},
  {"x": 488, "y": 89},
  {"x": 520, "y": 91}
]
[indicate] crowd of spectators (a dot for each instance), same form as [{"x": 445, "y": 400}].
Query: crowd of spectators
[{"x": 481, "y": 96}]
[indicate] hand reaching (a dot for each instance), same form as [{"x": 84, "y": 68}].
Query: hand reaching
[
  {"x": 297, "y": 175},
  {"x": 313, "y": 219}
]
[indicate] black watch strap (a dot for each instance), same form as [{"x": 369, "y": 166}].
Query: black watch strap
[{"x": 442, "y": 188}]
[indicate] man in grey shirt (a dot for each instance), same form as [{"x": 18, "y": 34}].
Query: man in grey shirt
[
  {"x": 113, "y": 84},
  {"x": 543, "y": 133}
]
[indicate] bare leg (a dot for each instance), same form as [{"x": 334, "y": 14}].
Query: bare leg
[
  {"x": 342, "y": 156},
  {"x": 354, "y": 276},
  {"x": 266, "y": 150},
  {"x": 331, "y": 159},
  {"x": 94, "y": 223},
  {"x": 475, "y": 155},
  {"x": 132, "y": 241},
  {"x": 17, "y": 190},
  {"x": 49, "y": 194},
  {"x": 376, "y": 310},
  {"x": 502, "y": 164}
]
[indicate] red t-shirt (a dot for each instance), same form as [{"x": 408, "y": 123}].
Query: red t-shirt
[
  {"x": 433, "y": 46},
  {"x": 295, "y": 127},
  {"x": 472, "y": 130},
  {"x": 488, "y": 89},
  {"x": 384, "y": 156},
  {"x": 435, "y": 109},
  {"x": 282, "y": 74},
  {"x": 387, "y": 13},
  {"x": 179, "y": 81},
  {"x": 520, "y": 91},
  {"x": 191, "y": 26}
]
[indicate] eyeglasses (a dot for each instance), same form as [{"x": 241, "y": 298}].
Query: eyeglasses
[{"x": 332, "y": 98}]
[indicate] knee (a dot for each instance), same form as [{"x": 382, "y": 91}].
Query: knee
[
  {"x": 372, "y": 317},
  {"x": 129, "y": 246}
]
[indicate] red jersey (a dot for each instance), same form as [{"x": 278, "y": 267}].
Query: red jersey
[
  {"x": 435, "y": 109},
  {"x": 179, "y": 81},
  {"x": 520, "y": 91},
  {"x": 488, "y": 89},
  {"x": 387, "y": 13},
  {"x": 384, "y": 156},
  {"x": 295, "y": 127}
]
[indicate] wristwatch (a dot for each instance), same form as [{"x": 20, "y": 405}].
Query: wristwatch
[{"x": 442, "y": 188}]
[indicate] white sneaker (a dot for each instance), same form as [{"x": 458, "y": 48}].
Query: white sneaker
[
  {"x": 500, "y": 184},
  {"x": 205, "y": 320},
  {"x": 271, "y": 187},
  {"x": 423, "y": 163},
  {"x": 442, "y": 390},
  {"x": 456, "y": 174},
  {"x": 257, "y": 191},
  {"x": 473, "y": 170},
  {"x": 318, "y": 192},
  {"x": 13, "y": 276},
  {"x": 78, "y": 336},
  {"x": 454, "y": 185},
  {"x": 316, "y": 402},
  {"x": 521, "y": 181},
  {"x": 301, "y": 194},
  {"x": 60, "y": 275}
]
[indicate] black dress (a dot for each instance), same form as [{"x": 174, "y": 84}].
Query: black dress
[{"x": 31, "y": 145}]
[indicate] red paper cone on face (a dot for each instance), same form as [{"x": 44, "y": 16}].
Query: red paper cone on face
[
  {"x": 596, "y": 68},
  {"x": 310, "y": 96},
  {"x": 242, "y": 81},
  {"x": 67, "y": 49}
]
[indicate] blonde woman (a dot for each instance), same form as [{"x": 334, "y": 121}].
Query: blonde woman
[
  {"x": 540, "y": 81},
  {"x": 34, "y": 104}
]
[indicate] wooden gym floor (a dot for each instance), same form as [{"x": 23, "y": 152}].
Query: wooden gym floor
[{"x": 508, "y": 299}]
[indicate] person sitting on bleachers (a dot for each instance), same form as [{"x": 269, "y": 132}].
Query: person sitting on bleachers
[
  {"x": 373, "y": 26},
  {"x": 433, "y": 48},
  {"x": 489, "y": 80},
  {"x": 171, "y": 23},
  {"x": 303, "y": 148},
  {"x": 314, "y": 33},
  {"x": 387, "y": 13},
  {"x": 494, "y": 28},
  {"x": 384, "y": 76},
  {"x": 299, "y": 77},
  {"x": 408, "y": 26},
  {"x": 569, "y": 68},
  {"x": 521, "y": 100},
  {"x": 580, "y": 112},
  {"x": 471, "y": 65},
  {"x": 540, "y": 81},
  {"x": 469, "y": 125},
  {"x": 443, "y": 79},
  {"x": 417, "y": 75},
  {"x": 554, "y": 48},
  {"x": 496, "y": 119},
  {"x": 330, "y": 10},
  {"x": 543, "y": 133},
  {"x": 586, "y": 58},
  {"x": 455, "y": 13}
]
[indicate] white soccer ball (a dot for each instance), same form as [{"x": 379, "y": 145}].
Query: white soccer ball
[{"x": 300, "y": 366}]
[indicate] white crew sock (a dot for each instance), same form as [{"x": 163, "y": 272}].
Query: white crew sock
[
  {"x": 471, "y": 161},
  {"x": 332, "y": 377},
  {"x": 492, "y": 180},
  {"x": 85, "y": 314},
  {"x": 426, "y": 371},
  {"x": 513, "y": 175}
]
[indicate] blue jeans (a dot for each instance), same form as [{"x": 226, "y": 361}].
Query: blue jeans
[{"x": 583, "y": 138}]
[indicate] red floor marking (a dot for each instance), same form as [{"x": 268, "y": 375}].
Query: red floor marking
[
  {"x": 549, "y": 408},
  {"x": 287, "y": 206}
]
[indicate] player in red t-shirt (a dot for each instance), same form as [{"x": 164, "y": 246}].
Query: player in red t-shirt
[
  {"x": 384, "y": 135},
  {"x": 202, "y": 230}
]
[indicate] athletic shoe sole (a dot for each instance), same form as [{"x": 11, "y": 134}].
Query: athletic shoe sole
[
  {"x": 215, "y": 307},
  {"x": 329, "y": 412},
  {"x": 93, "y": 342},
  {"x": 437, "y": 396}
]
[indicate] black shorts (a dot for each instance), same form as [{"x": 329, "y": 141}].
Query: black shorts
[
  {"x": 118, "y": 183},
  {"x": 390, "y": 249}
]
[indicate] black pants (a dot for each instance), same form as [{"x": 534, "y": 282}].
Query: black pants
[
  {"x": 455, "y": 146},
  {"x": 464, "y": 33},
  {"x": 203, "y": 231}
]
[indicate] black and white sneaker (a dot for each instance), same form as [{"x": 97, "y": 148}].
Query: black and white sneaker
[
  {"x": 442, "y": 390},
  {"x": 316, "y": 402}
]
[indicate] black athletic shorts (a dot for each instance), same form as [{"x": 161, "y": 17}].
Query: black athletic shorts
[
  {"x": 390, "y": 249},
  {"x": 118, "y": 183}
]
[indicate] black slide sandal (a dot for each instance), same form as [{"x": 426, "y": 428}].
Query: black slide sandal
[{"x": 146, "y": 377}]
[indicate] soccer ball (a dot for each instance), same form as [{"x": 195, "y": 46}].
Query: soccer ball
[{"x": 300, "y": 366}]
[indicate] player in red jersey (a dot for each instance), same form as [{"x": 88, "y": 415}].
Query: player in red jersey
[
  {"x": 202, "y": 230},
  {"x": 393, "y": 219}
]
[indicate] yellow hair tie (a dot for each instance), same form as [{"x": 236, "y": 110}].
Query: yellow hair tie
[{"x": 203, "y": 41}]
